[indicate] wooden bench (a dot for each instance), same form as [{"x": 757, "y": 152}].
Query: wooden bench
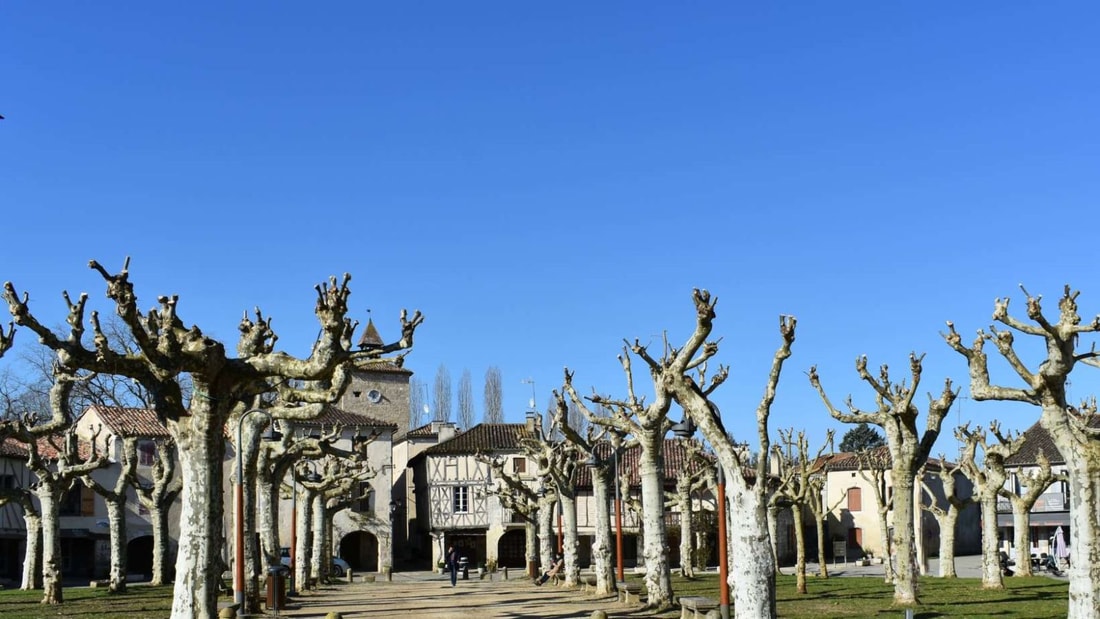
[
  {"x": 697, "y": 605},
  {"x": 629, "y": 593}
]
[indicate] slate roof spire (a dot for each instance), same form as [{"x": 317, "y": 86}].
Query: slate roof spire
[{"x": 371, "y": 338}]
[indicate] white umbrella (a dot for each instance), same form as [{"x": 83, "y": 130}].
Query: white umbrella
[{"x": 1060, "y": 549}]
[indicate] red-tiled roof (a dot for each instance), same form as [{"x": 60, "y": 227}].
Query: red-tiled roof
[
  {"x": 14, "y": 448},
  {"x": 333, "y": 416},
  {"x": 484, "y": 437},
  {"x": 371, "y": 338},
  {"x": 849, "y": 460},
  {"x": 127, "y": 422},
  {"x": 1037, "y": 440}
]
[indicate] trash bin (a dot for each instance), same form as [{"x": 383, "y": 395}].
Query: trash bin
[
  {"x": 276, "y": 587},
  {"x": 464, "y": 567}
]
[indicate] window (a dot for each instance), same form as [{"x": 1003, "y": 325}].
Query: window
[
  {"x": 855, "y": 538},
  {"x": 855, "y": 499},
  {"x": 461, "y": 499},
  {"x": 147, "y": 452},
  {"x": 519, "y": 465},
  {"x": 366, "y": 503},
  {"x": 79, "y": 501}
]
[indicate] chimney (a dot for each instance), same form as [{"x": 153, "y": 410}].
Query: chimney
[{"x": 533, "y": 421}]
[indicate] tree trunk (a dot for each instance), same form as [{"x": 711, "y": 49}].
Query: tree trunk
[
  {"x": 116, "y": 517},
  {"x": 799, "y": 548},
  {"x": 991, "y": 558},
  {"x": 773, "y": 534},
  {"x": 687, "y": 537},
  {"x": 905, "y": 576},
  {"x": 947, "y": 543},
  {"x": 822, "y": 562},
  {"x": 888, "y": 558},
  {"x": 569, "y": 522},
  {"x": 161, "y": 539},
  {"x": 546, "y": 534},
  {"x": 751, "y": 569},
  {"x": 267, "y": 521},
  {"x": 1083, "y": 464},
  {"x": 531, "y": 540},
  {"x": 199, "y": 561},
  {"x": 657, "y": 574},
  {"x": 32, "y": 557},
  {"x": 304, "y": 552},
  {"x": 47, "y": 494},
  {"x": 320, "y": 559},
  {"x": 602, "y": 549},
  {"x": 1021, "y": 522}
]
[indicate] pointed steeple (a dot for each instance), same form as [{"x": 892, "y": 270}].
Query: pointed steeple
[{"x": 371, "y": 338}]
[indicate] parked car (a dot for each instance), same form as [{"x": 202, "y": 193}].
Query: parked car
[{"x": 339, "y": 567}]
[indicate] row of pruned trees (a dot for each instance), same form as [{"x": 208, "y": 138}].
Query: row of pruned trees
[{"x": 221, "y": 386}]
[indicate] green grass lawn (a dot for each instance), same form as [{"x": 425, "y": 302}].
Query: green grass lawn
[
  {"x": 1031, "y": 598},
  {"x": 1034, "y": 598}
]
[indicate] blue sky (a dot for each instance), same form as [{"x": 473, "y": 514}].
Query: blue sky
[{"x": 545, "y": 180}]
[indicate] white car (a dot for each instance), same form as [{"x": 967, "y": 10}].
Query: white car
[{"x": 339, "y": 567}]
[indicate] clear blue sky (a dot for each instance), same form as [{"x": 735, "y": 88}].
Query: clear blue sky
[{"x": 543, "y": 180}]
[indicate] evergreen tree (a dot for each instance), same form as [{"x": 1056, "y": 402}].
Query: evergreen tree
[{"x": 860, "y": 438}]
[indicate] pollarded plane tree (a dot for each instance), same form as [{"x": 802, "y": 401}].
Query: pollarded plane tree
[
  {"x": 696, "y": 474},
  {"x": 224, "y": 386},
  {"x": 796, "y": 483},
  {"x": 897, "y": 416},
  {"x": 157, "y": 494},
  {"x": 647, "y": 424},
  {"x": 873, "y": 466},
  {"x": 946, "y": 512},
  {"x": 819, "y": 507},
  {"x": 558, "y": 461},
  {"x": 598, "y": 456},
  {"x": 338, "y": 487},
  {"x": 539, "y": 449},
  {"x": 988, "y": 478},
  {"x": 1029, "y": 486},
  {"x": 115, "y": 497},
  {"x": 517, "y": 496},
  {"x": 1069, "y": 427},
  {"x": 682, "y": 374},
  {"x": 274, "y": 460}
]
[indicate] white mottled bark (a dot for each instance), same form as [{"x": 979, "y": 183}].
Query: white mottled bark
[
  {"x": 161, "y": 540},
  {"x": 687, "y": 536},
  {"x": 991, "y": 559},
  {"x": 773, "y": 532},
  {"x": 905, "y": 576},
  {"x": 570, "y": 542},
  {"x": 303, "y": 554},
  {"x": 603, "y": 549},
  {"x": 1083, "y": 465},
  {"x": 47, "y": 494},
  {"x": 799, "y": 549},
  {"x": 321, "y": 559},
  {"x": 199, "y": 562},
  {"x": 751, "y": 568},
  {"x": 31, "y": 566},
  {"x": 1021, "y": 521},
  {"x": 116, "y": 519},
  {"x": 531, "y": 543},
  {"x": 651, "y": 470},
  {"x": 547, "y": 543},
  {"x": 948, "y": 523}
]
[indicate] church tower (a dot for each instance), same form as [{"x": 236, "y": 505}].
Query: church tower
[{"x": 382, "y": 392}]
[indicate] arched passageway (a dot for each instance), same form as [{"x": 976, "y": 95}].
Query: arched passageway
[
  {"x": 139, "y": 556},
  {"x": 360, "y": 550}
]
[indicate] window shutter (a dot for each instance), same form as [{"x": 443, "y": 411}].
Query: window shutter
[{"x": 87, "y": 501}]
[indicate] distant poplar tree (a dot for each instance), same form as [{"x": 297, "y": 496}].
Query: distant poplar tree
[
  {"x": 441, "y": 394},
  {"x": 494, "y": 396},
  {"x": 465, "y": 401},
  {"x": 417, "y": 394}
]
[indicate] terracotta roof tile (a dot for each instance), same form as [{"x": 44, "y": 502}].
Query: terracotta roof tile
[
  {"x": 371, "y": 338},
  {"x": 1037, "y": 440},
  {"x": 333, "y": 415},
  {"x": 484, "y": 437},
  {"x": 849, "y": 460},
  {"x": 127, "y": 422},
  {"x": 14, "y": 448}
]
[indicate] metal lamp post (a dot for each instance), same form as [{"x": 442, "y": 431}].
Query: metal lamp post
[
  {"x": 618, "y": 516},
  {"x": 293, "y": 528},
  {"x": 686, "y": 429},
  {"x": 238, "y": 593}
]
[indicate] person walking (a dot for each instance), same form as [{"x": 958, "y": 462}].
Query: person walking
[{"x": 452, "y": 564}]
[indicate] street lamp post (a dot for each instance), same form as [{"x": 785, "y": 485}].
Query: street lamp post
[
  {"x": 618, "y": 519},
  {"x": 238, "y": 594},
  {"x": 293, "y": 528}
]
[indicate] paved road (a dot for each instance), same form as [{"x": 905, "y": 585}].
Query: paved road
[{"x": 430, "y": 595}]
